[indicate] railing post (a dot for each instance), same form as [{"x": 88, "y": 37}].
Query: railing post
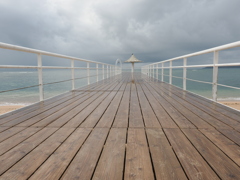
[
  {"x": 88, "y": 73},
  {"x": 40, "y": 77},
  {"x": 103, "y": 71},
  {"x": 215, "y": 76},
  {"x": 148, "y": 70},
  {"x": 107, "y": 71},
  {"x": 97, "y": 71},
  {"x": 185, "y": 74},
  {"x": 153, "y": 71},
  {"x": 157, "y": 71},
  {"x": 170, "y": 72},
  {"x": 110, "y": 71},
  {"x": 73, "y": 78},
  {"x": 162, "y": 72}
]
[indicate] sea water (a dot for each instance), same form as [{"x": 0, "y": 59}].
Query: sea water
[{"x": 15, "y": 79}]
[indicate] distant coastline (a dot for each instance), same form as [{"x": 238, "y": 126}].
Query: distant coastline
[{"x": 223, "y": 67}]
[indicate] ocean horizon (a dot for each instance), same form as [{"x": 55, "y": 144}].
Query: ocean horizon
[{"x": 17, "y": 78}]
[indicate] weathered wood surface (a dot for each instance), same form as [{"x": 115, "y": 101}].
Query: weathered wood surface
[{"x": 121, "y": 128}]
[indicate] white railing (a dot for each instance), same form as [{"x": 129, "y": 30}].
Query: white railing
[
  {"x": 152, "y": 69},
  {"x": 108, "y": 70}
]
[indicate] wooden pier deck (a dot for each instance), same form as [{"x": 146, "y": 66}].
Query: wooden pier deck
[{"x": 121, "y": 128}]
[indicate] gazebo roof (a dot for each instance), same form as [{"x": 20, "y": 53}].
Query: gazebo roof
[{"x": 132, "y": 59}]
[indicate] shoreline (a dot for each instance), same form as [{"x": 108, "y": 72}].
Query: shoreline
[
  {"x": 7, "y": 108},
  {"x": 232, "y": 104}
]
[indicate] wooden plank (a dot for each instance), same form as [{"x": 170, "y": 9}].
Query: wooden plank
[
  {"x": 16, "y": 139},
  {"x": 190, "y": 105},
  {"x": 121, "y": 119},
  {"x": 135, "y": 115},
  {"x": 55, "y": 165},
  {"x": 59, "y": 118},
  {"x": 18, "y": 113},
  {"x": 84, "y": 162},
  {"x": 165, "y": 120},
  {"x": 41, "y": 108},
  {"x": 193, "y": 118},
  {"x": 36, "y": 116},
  {"x": 205, "y": 116},
  {"x": 166, "y": 164},
  {"x": 111, "y": 163},
  {"x": 108, "y": 116},
  {"x": 223, "y": 143},
  {"x": 18, "y": 152},
  {"x": 79, "y": 118},
  {"x": 214, "y": 105},
  {"x": 26, "y": 166},
  {"x": 73, "y": 113},
  {"x": 138, "y": 163},
  {"x": 231, "y": 134},
  {"x": 204, "y": 106},
  {"x": 3, "y": 128},
  {"x": 94, "y": 117},
  {"x": 194, "y": 165},
  {"x": 10, "y": 132},
  {"x": 225, "y": 167},
  {"x": 64, "y": 110},
  {"x": 150, "y": 119},
  {"x": 179, "y": 119},
  {"x": 41, "y": 113}
]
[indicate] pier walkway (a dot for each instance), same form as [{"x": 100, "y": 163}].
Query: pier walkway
[{"x": 121, "y": 128}]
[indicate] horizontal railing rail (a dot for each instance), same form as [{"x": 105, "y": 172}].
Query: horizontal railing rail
[
  {"x": 107, "y": 70},
  {"x": 152, "y": 69}
]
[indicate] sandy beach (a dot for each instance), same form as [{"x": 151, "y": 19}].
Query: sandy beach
[
  {"x": 5, "y": 109},
  {"x": 233, "y": 104}
]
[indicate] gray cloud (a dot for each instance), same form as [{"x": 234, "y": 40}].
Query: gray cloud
[{"x": 106, "y": 30}]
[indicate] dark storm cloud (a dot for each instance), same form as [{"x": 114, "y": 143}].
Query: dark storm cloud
[{"x": 106, "y": 30}]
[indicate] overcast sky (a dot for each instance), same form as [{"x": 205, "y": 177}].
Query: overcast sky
[{"x": 105, "y": 30}]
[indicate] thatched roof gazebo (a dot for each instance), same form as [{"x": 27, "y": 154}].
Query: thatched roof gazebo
[{"x": 133, "y": 60}]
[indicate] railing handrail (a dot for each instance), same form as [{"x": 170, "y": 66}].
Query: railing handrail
[
  {"x": 109, "y": 70},
  {"x": 35, "y": 51},
  {"x": 151, "y": 68},
  {"x": 218, "y": 48}
]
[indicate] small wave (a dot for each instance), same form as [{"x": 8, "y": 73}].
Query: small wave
[
  {"x": 229, "y": 99},
  {"x": 14, "y": 104},
  {"x": 16, "y": 72}
]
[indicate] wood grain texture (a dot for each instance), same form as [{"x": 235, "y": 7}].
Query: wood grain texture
[
  {"x": 111, "y": 163},
  {"x": 123, "y": 127},
  {"x": 165, "y": 162},
  {"x": 192, "y": 162},
  {"x": 138, "y": 162}
]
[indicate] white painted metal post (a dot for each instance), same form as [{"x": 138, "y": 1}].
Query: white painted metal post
[
  {"x": 157, "y": 71},
  {"x": 153, "y": 67},
  {"x": 170, "y": 72},
  {"x": 107, "y": 71},
  {"x": 40, "y": 77},
  {"x": 148, "y": 69},
  {"x": 162, "y": 72},
  {"x": 151, "y": 70},
  {"x": 215, "y": 76},
  {"x": 97, "y": 71},
  {"x": 73, "y": 78},
  {"x": 103, "y": 71},
  {"x": 88, "y": 73},
  {"x": 110, "y": 71},
  {"x": 185, "y": 74}
]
